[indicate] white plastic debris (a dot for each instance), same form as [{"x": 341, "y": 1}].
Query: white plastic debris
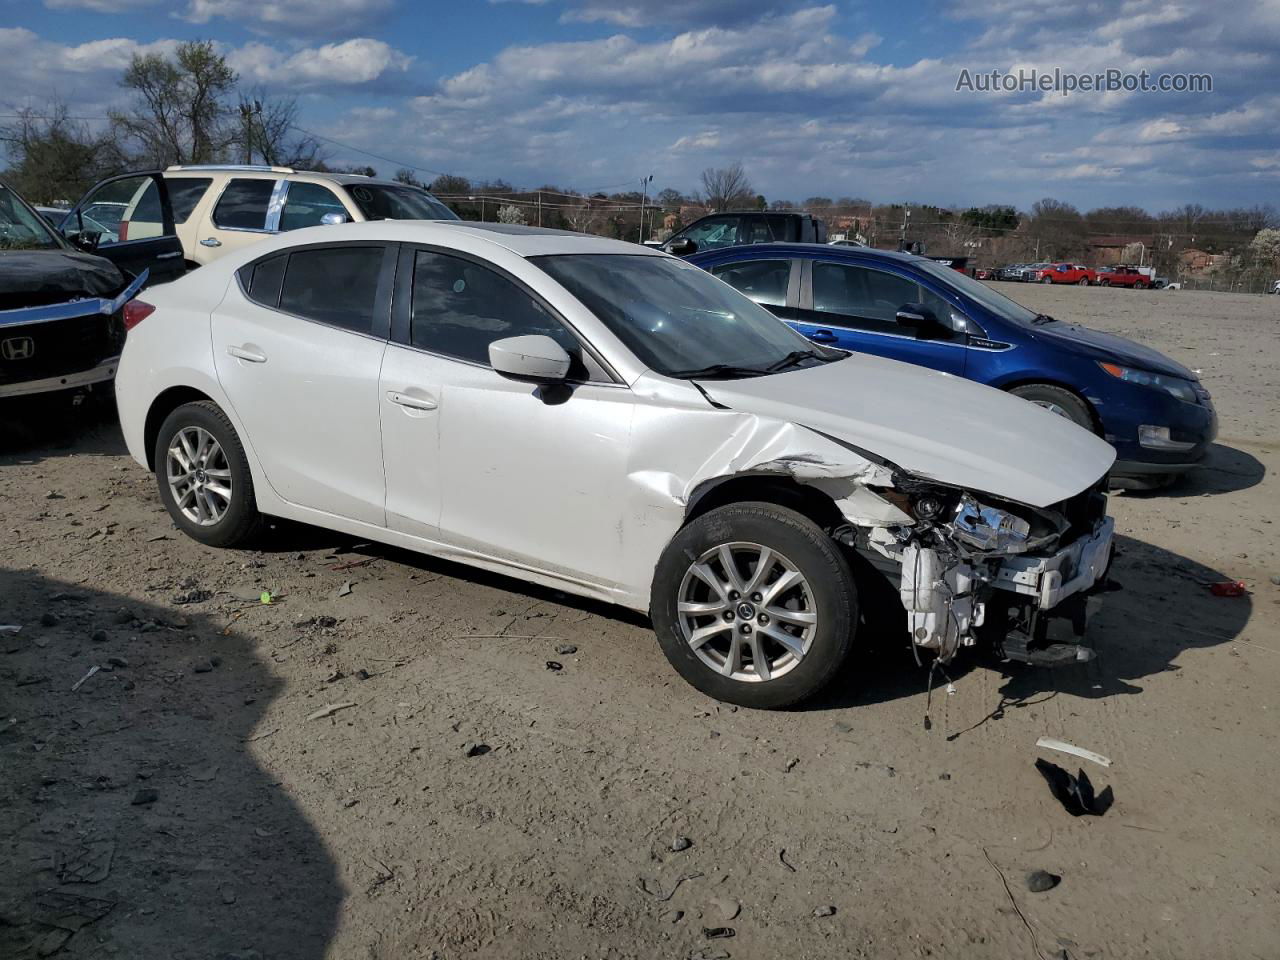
[{"x": 1062, "y": 746}]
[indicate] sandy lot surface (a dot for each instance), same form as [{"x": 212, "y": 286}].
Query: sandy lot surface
[{"x": 182, "y": 802}]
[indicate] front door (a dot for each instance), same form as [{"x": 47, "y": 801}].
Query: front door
[
  {"x": 504, "y": 468},
  {"x": 130, "y": 219},
  {"x": 855, "y": 307},
  {"x": 299, "y": 354}
]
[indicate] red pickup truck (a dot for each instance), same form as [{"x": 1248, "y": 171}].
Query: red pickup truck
[
  {"x": 1066, "y": 273},
  {"x": 1122, "y": 276}
]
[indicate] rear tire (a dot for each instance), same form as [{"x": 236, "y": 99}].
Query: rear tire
[
  {"x": 1057, "y": 400},
  {"x": 1083, "y": 281},
  {"x": 720, "y": 628},
  {"x": 1046, "y": 279},
  {"x": 203, "y": 476}
]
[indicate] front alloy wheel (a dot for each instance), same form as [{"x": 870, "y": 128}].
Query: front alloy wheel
[
  {"x": 747, "y": 612},
  {"x": 754, "y": 604}
]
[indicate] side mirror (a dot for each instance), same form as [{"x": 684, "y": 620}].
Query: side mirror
[
  {"x": 536, "y": 358},
  {"x": 681, "y": 247},
  {"x": 919, "y": 319},
  {"x": 333, "y": 219}
]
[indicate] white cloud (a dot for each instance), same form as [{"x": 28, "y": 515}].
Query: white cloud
[
  {"x": 359, "y": 62},
  {"x": 293, "y": 17}
]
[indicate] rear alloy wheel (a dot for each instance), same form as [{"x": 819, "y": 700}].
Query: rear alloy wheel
[
  {"x": 1057, "y": 400},
  {"x": 754, "y": 605},
  {"x": 1046, "y": 279},
  {"x": 204, "y": 477},
  {"x": 1083, "y": 281}
]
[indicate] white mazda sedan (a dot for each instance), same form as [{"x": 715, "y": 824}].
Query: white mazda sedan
[{"x": 608, "y": 420}]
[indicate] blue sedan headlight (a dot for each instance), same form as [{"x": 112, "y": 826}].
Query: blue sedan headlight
[{"x": 1182, "y": 389}]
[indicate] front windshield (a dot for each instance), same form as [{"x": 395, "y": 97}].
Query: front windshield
[
  {"x": 678, "y": 319},
  {"x": 382, "y": 201},
  {"x": 21, "y": 228},
  {"x": 997, "y": 303}
]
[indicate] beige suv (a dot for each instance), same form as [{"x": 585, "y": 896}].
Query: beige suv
[{"x": 219, "y": 208}]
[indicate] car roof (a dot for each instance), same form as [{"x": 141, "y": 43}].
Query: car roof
[
  {"x": 199, "y": 170},
  {"x": 828, "y": 249},
  {"x": 520, "y": 240}
]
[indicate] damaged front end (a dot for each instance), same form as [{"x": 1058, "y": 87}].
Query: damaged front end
[{"x": 973, "y": 567}]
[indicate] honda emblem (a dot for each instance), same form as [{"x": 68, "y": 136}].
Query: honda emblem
[{"x": 17, "y": 348}]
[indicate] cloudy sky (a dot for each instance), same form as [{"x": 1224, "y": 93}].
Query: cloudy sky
[{"x": 851, "y": 97}]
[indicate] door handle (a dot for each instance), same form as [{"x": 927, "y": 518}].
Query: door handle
[
  {"x": 169, "y": 256},
  {"x": 210, "y": 242},
  {"x": 410, "y": 401},
  {"x": 822, "y": 336},
  {"x": 247, "y": 353}
]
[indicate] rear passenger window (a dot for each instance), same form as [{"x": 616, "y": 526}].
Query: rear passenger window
[
  {"x": 264, "y": 284},
  {"x": 460, "y": 307},
  {"x": 764, "y": 281},
  {"x": 333, "y": 285},
  {"x": 306, "y": 203},
  {"x": 243, "y": 205},
  {"x": 184, "y": 194}
]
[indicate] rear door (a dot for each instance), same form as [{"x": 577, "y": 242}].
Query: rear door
[
  {"x": 246, "y": 210},
  {"x": 298, "y": 349},
  {"x": 131, "y": 220},
  {"x": 855, "y": 306}
]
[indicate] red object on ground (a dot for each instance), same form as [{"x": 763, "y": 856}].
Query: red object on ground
[{"x": 1229, "y": 588}]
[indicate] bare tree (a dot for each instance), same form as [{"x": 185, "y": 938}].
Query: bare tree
[
  {"x": 180, "y": 113},
  {"x": 727, "y": 187},
  {"x": 269, "y": 131},
  {"x": 54, "y": 158},
  {"x": 582, "y": 217}
]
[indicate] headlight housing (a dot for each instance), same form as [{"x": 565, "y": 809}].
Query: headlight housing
[
  {"x": 1184, "y": 390},
  {"x": 987, "y": 528}
]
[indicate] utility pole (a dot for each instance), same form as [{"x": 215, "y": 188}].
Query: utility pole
[
  {"x": 902, "y": 236},
  {"x": 539, "y": 208},
  {"x": 644, "y": 195},
  {"x": 247, "y": 112}
]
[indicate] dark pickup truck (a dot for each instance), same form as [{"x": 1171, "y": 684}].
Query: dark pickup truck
[
  {"x": 738, "y": 229},
  {"x": 62, "y": 316}
]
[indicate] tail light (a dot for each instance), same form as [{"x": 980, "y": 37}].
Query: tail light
[
  {"x": 122, "y": 234},
  {"x": 135, "y": 311}
]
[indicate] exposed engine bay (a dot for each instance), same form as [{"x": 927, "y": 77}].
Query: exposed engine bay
[{"x": 970, "y": 570}]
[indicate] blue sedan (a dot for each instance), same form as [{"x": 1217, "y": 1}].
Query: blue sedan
[{"x": 1152, "y": 409}]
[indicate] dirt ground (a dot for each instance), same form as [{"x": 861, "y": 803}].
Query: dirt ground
[{"x": 465, "y": 799}]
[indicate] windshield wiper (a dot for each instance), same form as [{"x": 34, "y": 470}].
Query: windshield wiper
[
  {"x": 793, "y": 358},
  {"x": 1042, "y": 318},
  {"x": 724, "y": 370}
]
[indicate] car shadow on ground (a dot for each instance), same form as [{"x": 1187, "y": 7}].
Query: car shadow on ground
[
  {"x": 1163, "y": 608},
  {"x": 134, "y": 819},
  {"x": 33, "y": 429},
  {"x": 1224, "y": 470}
]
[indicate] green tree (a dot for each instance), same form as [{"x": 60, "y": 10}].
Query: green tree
[
  {"x": 53, "y": 158},
  {"x": 180, "y": 112}
]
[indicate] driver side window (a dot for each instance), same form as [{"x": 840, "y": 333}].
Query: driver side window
[
  {"x": 862, "y": 298},
  {"x": 460, "y": 307}
]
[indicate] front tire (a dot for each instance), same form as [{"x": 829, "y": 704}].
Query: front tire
[
  {"x": 1046, "y": 279},
  {"x": 203, "y": 476},
  {"x": 754, "y": 604}
]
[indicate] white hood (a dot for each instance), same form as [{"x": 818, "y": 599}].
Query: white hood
[{"x": 932, "y": 424}]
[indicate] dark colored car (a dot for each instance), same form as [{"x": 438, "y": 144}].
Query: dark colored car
[
  {"x": 719, "y": 230},
  {"x": 62, "y": 309},
  {"x": 1152, "y": 409}
]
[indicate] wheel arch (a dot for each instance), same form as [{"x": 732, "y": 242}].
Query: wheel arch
[
  {"x": 163, "y": 405},
  {"x": 1027, "y": 381},
  {"x": 764, "y": 488}
]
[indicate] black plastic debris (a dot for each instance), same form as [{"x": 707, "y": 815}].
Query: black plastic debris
[
  {"x": 1076, "y": 793},
  {"x": 554, "y": 665},
  {"x": 718, "y": 933}
]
